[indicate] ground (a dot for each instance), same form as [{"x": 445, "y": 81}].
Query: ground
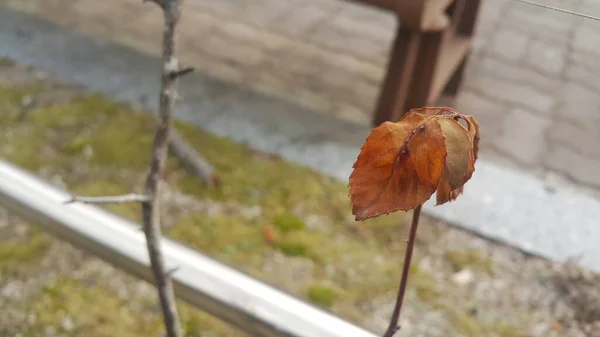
[
  {"x": 532, "y": 80},
  {"x": 460, "y": 285}
]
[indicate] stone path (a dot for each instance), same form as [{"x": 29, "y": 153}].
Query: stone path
[{"x": 532, "y": 81}]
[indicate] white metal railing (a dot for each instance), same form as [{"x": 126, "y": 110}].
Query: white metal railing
[{"x": 209, "y": 285}]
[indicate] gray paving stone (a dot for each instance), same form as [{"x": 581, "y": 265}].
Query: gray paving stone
[
  {"x": 587, "y": 59},
  {"x": 523, "y": 136},
  {"x": 227, "y": 8},
  {"x": 521, "y": 94},
  {"x": 518, "y": 73},
  {"x": 583, "y": 76},
  {"x": 583, "y": 140},
  {"x": 267, "y": 12},
  {"x": 580, "y": 104},
  {"x": 509, "y": 43},
  {"x": 538, "y": 22},
  {"x": 579, "y": 167},
  {"x": 546, "y": 57},
  {"x": 487, "y": 113},
  {"x": 238, "y": 52},
  {"x": 302, "y": 20},
  {"x": 585, "y": 39}
]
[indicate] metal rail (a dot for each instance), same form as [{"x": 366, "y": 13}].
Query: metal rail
[{"x": 211, "y": 286}]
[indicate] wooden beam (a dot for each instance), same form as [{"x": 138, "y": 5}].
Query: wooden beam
[
  {"x": 422, "y": 15},
  {"x": 453, "y": 51},
  {"x": 383, "y": 4},
  {"x": 394, "y": 92},
  {"x": 426, "y": 66},
  {"x": 466, "y": 26}
]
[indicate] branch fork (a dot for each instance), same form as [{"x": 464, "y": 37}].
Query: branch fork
[{"x": 160, "y": 146}]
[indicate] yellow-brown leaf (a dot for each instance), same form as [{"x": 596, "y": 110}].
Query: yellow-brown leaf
[
  {"x": 473, "y": 133},
  {"x": 451, "y": 187},
  {"x": 460, "y": 162}
]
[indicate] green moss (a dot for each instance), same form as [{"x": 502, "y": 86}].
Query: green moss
[
  {"x": 196, "y": 323},
  {"x": 469, "y": 258},
  {"x": 252, "y": 178},
  {"x": 76, "y": 146},
  {"x": 228, "y": 238},
  {"x": 98, "y": 147},
  {"x": 117, "y": 136},
  {"x": 463, "y": 323},
  {"x": 469, "y": 325},
  {"x": 506, "y": 330},
  {"x": 17, "y": 257},
  {"x": 322, "y": 295},
  {"x": 389, "y": 229},
  {"x": 121, "y": 136},
  {"x": 96, "y": 311},
  {"x": 11, "y": 97},
  {"x": 310, "y": 245},
  {"x": 288, "y": 222},
  {"x": 293, "y": 248},
  {"x": 10, "y": 103},
  {"x": 425, "y": 286},
  {"x": 69, "y": 299}
]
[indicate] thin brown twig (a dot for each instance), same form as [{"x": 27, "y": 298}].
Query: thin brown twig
[
  {"x": 151, "y": 209},
  {"x": 173, "y": 270},
  {"x": 109, "y": 199},
  {"x": 394, "y": 327},
  {"x": 182, "y": 72},
  {"x": 150, "y": 201},
  {"x": 192, "y": 161}
]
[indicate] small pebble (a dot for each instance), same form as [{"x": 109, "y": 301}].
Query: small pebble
[
  {"x": 67, "y": 324},
  {"x": 26, "y": 101},
  {"x": 463, "y": 277}
]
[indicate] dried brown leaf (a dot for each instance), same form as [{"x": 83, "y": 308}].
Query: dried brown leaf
[
  {"x": 399, "y": 167},
  {"x": 402, "y": 164}
]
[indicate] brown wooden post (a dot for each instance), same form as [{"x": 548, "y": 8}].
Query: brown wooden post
[
  {"x": 419, "y": 93},
  {"x": 453, "y": 85},
  {"x": 394, "y": 92},
  {"x": 468, "y": 20},
  {"x": 428, "y": 56},
  {"x": 465, "y": 25}
]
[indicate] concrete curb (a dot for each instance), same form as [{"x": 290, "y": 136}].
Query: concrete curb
[{"x": 498, "y": 203}]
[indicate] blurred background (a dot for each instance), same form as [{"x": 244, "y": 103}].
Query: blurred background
[
  {"x": 529, "y": 75},
  {"x": 530, "y": 79}
]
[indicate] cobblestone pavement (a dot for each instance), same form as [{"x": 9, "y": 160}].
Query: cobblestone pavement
[{"x": 532, "y": 81}]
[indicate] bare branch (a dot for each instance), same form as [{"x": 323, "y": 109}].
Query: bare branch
[
  {"x": 181, "y": 72},
  {"x": 110, "y": 199},
  {"x": 172, "y": 271},
  {"x": 193, "y": 162},
  {"x": 150, "y": 200},
  {"x": 151, "y": 209}
]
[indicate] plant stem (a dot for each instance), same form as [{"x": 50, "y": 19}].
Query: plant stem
[
  {"x": 151, "y": 208},
  {"x": 394, "y": 327}
]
